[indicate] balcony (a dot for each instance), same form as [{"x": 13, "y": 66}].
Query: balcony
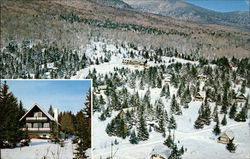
[
  {"x": 37, "y": 129},
  {"x": 36, "y": 118}
]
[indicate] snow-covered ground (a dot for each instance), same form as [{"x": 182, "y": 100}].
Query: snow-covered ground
[
  {"x": 200, "y": 144},
  {"x": 41, "y": 148}
]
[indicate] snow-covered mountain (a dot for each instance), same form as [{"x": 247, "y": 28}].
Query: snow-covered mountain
[{"x": 186, "y": 11}]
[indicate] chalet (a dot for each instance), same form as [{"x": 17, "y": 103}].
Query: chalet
[
  {"x": 241, "y": 98},
  {"x": 198, "y": 97},
  {"x": 100, "y": 88},
  {"x": 167, "y": 77},
  {"x": 225, "y": 137},
  {"x": 232, "y": 64},
  {"x": 137, "y": 62},
  {"x": 122, "y": 114},
  {"x": 201, "y": 77},
  {"x": 38, "y": 122},
  {"x": 160, "y": 152}
]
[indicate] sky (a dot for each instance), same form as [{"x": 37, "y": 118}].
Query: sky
[
  {"x": 66, "y": 95},
  {"x": 222, "y": 5}
]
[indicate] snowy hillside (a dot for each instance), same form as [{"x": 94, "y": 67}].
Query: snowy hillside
[{"x": 117, "y": 84}]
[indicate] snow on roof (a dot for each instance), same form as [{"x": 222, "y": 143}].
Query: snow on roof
[
  {"x": 228, "y": 133},
  {"x": 161, "y": 150},
  {"x": 135, "y": 59},
  {"x": 45, "y": 112}
]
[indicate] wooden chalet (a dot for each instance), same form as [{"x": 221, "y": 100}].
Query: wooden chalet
[
  {"x": 137, "y": 62},
  {"x": 225, "y": 137},
  {"x": 167, "y": 78},
  {"x": 101, "y": 88},
  {"x": 160, "y": 152},
  {"x": 241, "y": 98},
  {"x": 198, "y": 97},
  {"x": 122, "y": 114},
  {"x": 38, "y": 122}
]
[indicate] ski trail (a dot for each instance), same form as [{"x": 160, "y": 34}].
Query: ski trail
[{"x": 210, "y": 129}]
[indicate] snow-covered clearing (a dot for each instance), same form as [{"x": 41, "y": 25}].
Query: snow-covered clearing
[
  {"x": 199, "y": 143},
  {"x": 41, "y": 148}
]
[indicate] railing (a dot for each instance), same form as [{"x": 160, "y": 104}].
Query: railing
[
  {"x": 36, "y": 118},
  {"x": 37, "y": 129}
]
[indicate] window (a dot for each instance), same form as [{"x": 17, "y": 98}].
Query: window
[
  {"x": 46, "y": 125},
  {"x": 28, "y": 125},
  {"x": 40, "y": 125},
  {"x": 38, "y": 114},
  {"x": 35, "y": 125}
]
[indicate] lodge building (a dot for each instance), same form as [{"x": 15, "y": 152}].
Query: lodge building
[{"x": 38, "y": 122}]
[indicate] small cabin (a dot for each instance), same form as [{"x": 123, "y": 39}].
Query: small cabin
[
  {"x": 160, "y": 152},
  {"x": 198, "y": 97},
  {"x": 225, "y": 137},
  {"x": 38, "y": 122},
  {"x": 232, "y": 64},
  {"x": 201, "y": 77},
  {"x": 167, "y": 78},
  {"x": 122, "y": 114},
  {"x": 137, "y": 62},
  {"x": 241, "y": 98},
  {"x": 101, "y": 88}
]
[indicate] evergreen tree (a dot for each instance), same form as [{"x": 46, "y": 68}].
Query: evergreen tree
[
  {"x": 224, "y": 103},
  {"x": 217, "y": 129},
  {"x": 21, "y": 109},
  {"x": 231, "y": 146},
  {"x": 169, "y": 141},
  {"x": 175, "y": 108},
  {"x": 215, "y": 114},
  {"x": 102, "y": 117},
  {"x": 242, "y": 115},
  {"x": 172, "y": 124},
  {"x": 163, "y": 91},
  {"x": 101, "y": 100},
  {"x": 159, "y": 82},
  {"x": 224, "y": 120},
  {"x": 66, "y": 121},
  {"x": 207, "y": 115},
  {"x": 51, "y": 112},
  {"x": 199, "y": 123},
  {"x": 10, "y": 114},
  {"x": 142, "y": 130},
  {"x": 175, "y": 153},
  {"x": 233, "y": 111},
  {"x": 83, "y": 128},
  {"x": 55, "y": 135},
  {"x": 133, "y": 138},
  {"x": 141, "y": 85},
  {"x": 167, "y": 94}
]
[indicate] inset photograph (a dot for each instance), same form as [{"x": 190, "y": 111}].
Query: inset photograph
[{"x": 45, "y": 119}]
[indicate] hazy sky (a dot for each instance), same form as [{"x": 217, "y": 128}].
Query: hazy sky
[
  {"x": 66, "y": 95},
  {"x": 222, "y": 5}
]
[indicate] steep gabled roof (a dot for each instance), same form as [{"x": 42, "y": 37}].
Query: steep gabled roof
[
  {"x": 228, "y": 133},
  {"x": 45, "y": 112}
]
